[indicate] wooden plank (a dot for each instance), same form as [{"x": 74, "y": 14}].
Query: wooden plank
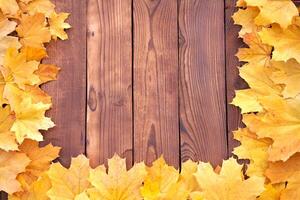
[
  {"x": 3, "y": 196},
  {"x": 156, "y": 81},
  {"x": 109, "y": 109},
  {"x": 202, "y": 81},
  {"x": 69, "y": 91},
  {"x": 233, "y": 81}
]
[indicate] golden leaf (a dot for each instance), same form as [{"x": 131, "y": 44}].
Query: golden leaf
[
  {"x": 254, "y": 149},
  {"x": 229, "y": 184},
  {"x": 292, "y": 190},
  {"x": 33, "y": 31},
  {"x": 9, "y": 7},
  {"x": 33, "y": 53},
  {"x": 45, "y": 7},
  {"x": 47, "y": 73},
  {"x": 58, "y": 25},
  {"x": 68, "y": 183},
  {"x": 245, "y": 18},
  {"x": 274, "y": 11},
  {"x": 286, "y": 42},
  {"x": 272, "y": 192},
  {"x": 117, "y": 183},
  {"x": 11, "y": 164},
  {"x": 247, "y": 100}
]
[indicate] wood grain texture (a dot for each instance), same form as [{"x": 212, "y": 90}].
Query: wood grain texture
[
  {"x": 3, "y": 196},
  {"x": 69, "y": 91},
  {"x": 202, "y": 81},
  {"x": 156, "y": 81},
  {"x": 233, "y": 81},
  {"x": 109, "y": 108}
]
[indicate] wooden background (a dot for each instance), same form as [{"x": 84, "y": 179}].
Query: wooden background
[{"x": 144, "y": 78}]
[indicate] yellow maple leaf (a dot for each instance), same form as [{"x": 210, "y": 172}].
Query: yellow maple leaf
[
  {"x": 257, "y": 53},
  {"x": 7, "y": 138},
  {"x": 274, "y": 11},
  {"x": 37, "y": 191},
  {"x": 229, "y": 184},
  {"x": 9, "y": 7},
  {"x": 288, "y": 73},
  {"x": 247, "y": 100},
  {"x": 33, "y": 31},
  {"x": 41, "y": 158},
  {"x": 58, "y": 25},
  {"x": 33, "y": 7},
  {"x": 159, "y": 180},
  {"x": 286, "y": 42},
  {"x": 117, "y": 183},
  {"x": 292, "y": 190},
  {"x": 272, "y": 192},
  {"x": 281, "y": 122},
  {"x": 29, "y": 119},
  {"x": 245, "y": 18},
  {"x": 68, "y": 183},
  {"x": 7, "y": 27},
  {"x": 16, "y": 70},
  {"x": 47, "y": 73},
  {"x": 254, "y": 149},
  {"x": 11, "y": 164}
]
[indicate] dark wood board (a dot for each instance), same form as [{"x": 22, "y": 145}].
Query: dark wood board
[
  {"x": 109, "y": 105},
  {"x": 202, "y": 81},
  {"x": 156, "y": 81}
]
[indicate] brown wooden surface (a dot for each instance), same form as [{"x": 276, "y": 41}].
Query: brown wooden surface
[
  {"x": 69, "y": 91},
  {"x": 156, "y": 81},
  {"x": 233, "y": 81},
  {"x": 109, "y": 113},
  {"x": 202, "y": 81}
]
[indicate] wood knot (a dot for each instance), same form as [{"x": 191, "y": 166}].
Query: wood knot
[{"x": 92, "y": 100}]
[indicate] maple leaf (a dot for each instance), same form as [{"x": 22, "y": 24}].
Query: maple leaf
[
  {"x": 33, "y": 31},
  {"x": 254, "y": 149},
  {"x": 9, "y": 7},
  {"x": 288, "y": 73},
  {"x": 286, "y": 42},
  {"x": 281, "y": 122},
  {"x": 159, "y": 180},
  {"x": 37, "y": 191},
  {"x": 117, "y": 183},
  {"x": 33, "y": 7},
  {"x": 247, "y": 100},
  {"x": 47, "y": 73},
  {"x": 7, "y": 138},
  {"x": 274, "y": 11},
  {"x": 245, "y": 18},
  {"x": 292, "y": 190},
  {"x": 229, "y": 184},
  {"x": 41, "y": 158},
  {"x": 272, "y": 192},
  {"x": 257, "y": 53},
  {"x": 11, "y": 164},
  {"x": 29, "y": 119},
  {"x": 58, "y": 25},
  {"x": 16, "y": 69},
  {"x": 68, "y": 183},
  {"x": 7, "y": 27}
]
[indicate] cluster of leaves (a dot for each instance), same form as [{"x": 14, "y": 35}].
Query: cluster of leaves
[
  {"x": 270, "y": 107},
  {"x": 25, "y": 27}
]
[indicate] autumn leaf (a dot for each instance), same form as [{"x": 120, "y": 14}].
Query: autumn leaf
[
  {"x": 47, "y": 73},
  {"x": 33, "y": 53},
  {"x": 16, "y": 70},
  {"x": 159, "y": 180},
  {"x": 257, "y": 53},
  {"x": 288, "y": 74},
  {"x": 274, "y": 11},
  {"x": 33, "y": 7},
  {"x": 245, "y": 18},
  {"x": 117, "y": 183},
  {"x": 33, "y": 31},
  {"x": 229, "y": 184},
  {"x": 29, "y": 119},
  {"x": 292, "y": 190},
  {"x": 7, "y": 138},
  {"x": 58, "y": 25},
  {"x": 286, "y": 42},
  {"x": 253, "y": 149},
  {"x": 11, "y": 164},
  {"x": 281, "y": 122},
  {"x": 68, "y": 183},
  {"x": 272, "y": 192},
  {"x": 247, "y": 100}
]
